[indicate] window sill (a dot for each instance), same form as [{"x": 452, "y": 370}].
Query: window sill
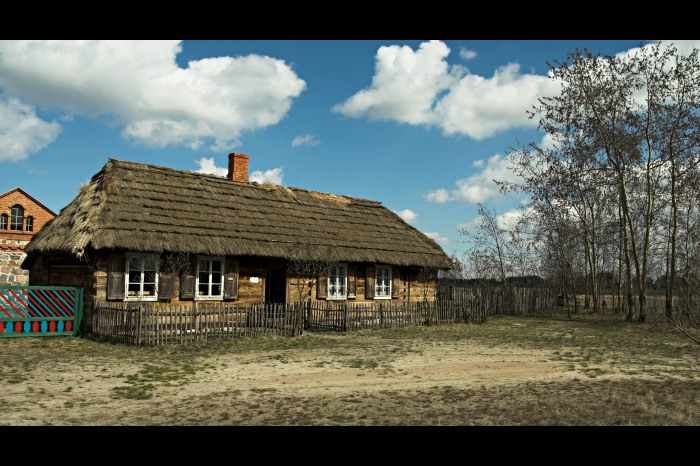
[
  {"x": 209, "y": 298},
  {"x": 141, "y": 298},
  {"x": 337, "y": 299},
  {"x": 383, "y": 297}
]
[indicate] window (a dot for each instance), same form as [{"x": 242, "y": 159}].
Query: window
[
  {"x": 17, "y": 218},
  {"x": 141, "y": 277},
  {"x": 337, "y": 281},
  {"x": 382, "y": 282},
  {"x": 29, "y": 224},
  {"x": 3, "y": 222},
  {"x": 210, "y": 278}
]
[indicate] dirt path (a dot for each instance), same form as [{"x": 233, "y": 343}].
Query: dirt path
[{"x": 61, "y": 394}]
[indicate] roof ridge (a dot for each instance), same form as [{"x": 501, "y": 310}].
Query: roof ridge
[{"x": 223, "y": 179}]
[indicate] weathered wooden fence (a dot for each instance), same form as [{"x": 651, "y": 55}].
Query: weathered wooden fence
[
  {"x": 156, "y": 323},
  {"x": 345, "y": 317},
  {"x": 501, "y": 300},
  {"x": 145, "y": 323}
]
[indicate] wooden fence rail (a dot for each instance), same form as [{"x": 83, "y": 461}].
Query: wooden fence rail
[
  {"x": 154, "y": 324},
  {"x": 157, "y": 324},
  {"x": 501, "y": 300},
  {"x": 345, "y": 317}
]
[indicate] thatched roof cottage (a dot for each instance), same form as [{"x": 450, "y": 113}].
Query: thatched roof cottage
[{"x": 148, "y": 233}]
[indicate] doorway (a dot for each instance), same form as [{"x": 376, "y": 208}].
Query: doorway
[{"x": 275, "y": 285}]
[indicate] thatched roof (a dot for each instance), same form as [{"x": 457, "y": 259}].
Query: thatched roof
[{"x": 146, "y": 208}]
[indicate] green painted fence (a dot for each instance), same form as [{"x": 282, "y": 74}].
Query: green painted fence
[{"x": 33, "y": 311}]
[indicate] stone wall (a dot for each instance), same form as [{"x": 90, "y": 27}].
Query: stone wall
[{"x": 11, "y": 257}]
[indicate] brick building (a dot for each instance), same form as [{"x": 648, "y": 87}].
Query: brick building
[{"x": 21, "y": 216}]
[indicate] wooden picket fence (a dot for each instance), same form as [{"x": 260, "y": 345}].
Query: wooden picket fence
[
  {"x": 153, "y": 323},
  {"x": 345, "y": 317},
  {"x": 502, "y": 300},
  {"x": 156, "y": 324}
]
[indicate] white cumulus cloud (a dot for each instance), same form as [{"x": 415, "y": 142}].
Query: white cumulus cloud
[
  {"x": 467, "y": 54},
  {"x": 420, "y": 88},
  {"x": 437, "y": 237},
  {"x": 22, "y": 132},
  {"x": 407, "y": 215},
  {"x": 274, "y": 176},
  {"x": 138, "y": 84},
  {"x": 405, "y": 84},
  {"x": 305, "y": 140},
  {"x": 207, "y": 165},
  {"x": 480, "y": 186}
]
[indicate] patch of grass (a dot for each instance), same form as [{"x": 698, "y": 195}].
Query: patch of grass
[
  {"x": 263, "y": 390},
  {"x": 135, "y": 392},
  {"x": 360, "y": 363}
]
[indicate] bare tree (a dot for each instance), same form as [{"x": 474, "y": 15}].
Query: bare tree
[
  {"x": 490, "y": 249},
  {"x": 305, "y": 264},
  {"x": 626, "y": 132}
]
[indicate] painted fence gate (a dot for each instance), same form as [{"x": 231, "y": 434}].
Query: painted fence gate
[{"x": 32, "y": 311}]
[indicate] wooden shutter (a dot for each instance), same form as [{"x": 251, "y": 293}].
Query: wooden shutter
[
  {"x": 369, "y": 282},
  {"x": 322, "y": 286},
  {"x": 166, "y": 286},
  {"x": 395, "y": 282},
  {"x": 231, "y": 279},
  {"x": 352, "y": 281},
  {"x": 188, "y": 280},
  {"x": 116, "y": 265}
]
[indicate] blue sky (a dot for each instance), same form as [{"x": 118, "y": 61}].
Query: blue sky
[{"x": 421, "y": 126}]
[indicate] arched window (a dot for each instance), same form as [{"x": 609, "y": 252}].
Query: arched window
[
  {"x": 29, "y": 224},
  {"x": 17, "y": 217},
  {"x": 3, "y": 222}
]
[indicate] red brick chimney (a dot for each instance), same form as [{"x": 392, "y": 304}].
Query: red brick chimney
[{"x": 238, "y": 167}]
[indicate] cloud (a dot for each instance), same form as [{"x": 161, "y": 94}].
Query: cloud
[
  {"x": 420, "y": 88},
  {"x": 405, "y": 84},
  {"x": 305, "y": 140},
  {"x": 504, "y": 221},
  {"x": 509, "y": 219},
  {"x": 22, "y": 132},
  {"x": 439, "y": 195},
  {"x": 467, "y": 54},
  {"x": 212, "y": 101},
  {"x": 437, "y": 237},
  {"x": 274, "y": 176},
  {"x": 482, "y": 107},
  {"x": 208, "y": 166},
  {"x": 478, "y": 187},
  {"x": 407, "y": 215},
  {"x": 684, "y": 46}
]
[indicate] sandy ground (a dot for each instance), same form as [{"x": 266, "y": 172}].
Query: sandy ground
[{"x": 232, "y": 386}]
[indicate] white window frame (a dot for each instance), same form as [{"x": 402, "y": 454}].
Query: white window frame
[
  {"x": 337, "y": 277},
  {"x": 127, "y": 275},
  {"x": 209, "y": 296},
  {"x": 382, "y": 291}
]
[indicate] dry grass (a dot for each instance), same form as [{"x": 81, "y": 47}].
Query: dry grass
[{"x": 510, "y": 371}]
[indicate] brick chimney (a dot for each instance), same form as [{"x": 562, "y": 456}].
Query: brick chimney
[{"x": 238, "y": 167}]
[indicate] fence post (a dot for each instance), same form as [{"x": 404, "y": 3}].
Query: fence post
[
  {"x": 307, "y": 322},
  {"x": 345, "y": 317},
  {"x": 138, "y": 328}
]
